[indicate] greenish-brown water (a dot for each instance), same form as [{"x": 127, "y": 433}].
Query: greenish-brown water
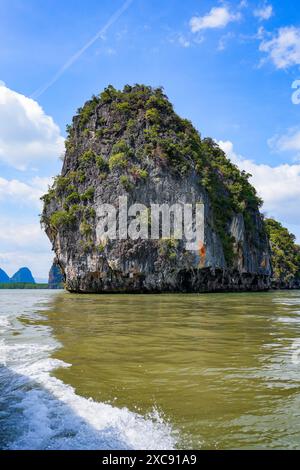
[
  {"x": 221, "y": 370},
  {"x": 218, "y": 366}
]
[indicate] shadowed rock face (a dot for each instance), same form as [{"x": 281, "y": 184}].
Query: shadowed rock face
[
  {"x": 56, "y": 278},
  {"x": 131, "y": 143}
]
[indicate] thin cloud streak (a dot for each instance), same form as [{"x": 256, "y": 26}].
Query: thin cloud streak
[{"x": 81, "y": 51}]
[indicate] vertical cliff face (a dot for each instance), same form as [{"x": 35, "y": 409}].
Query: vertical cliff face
[{"x": 131, "y": 143}]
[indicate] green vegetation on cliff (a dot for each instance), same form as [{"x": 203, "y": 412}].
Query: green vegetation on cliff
[{"x": 285, "y": 254}]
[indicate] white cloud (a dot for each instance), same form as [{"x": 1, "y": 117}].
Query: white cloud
[
  {"x": 22, "y": 241},
  {"x": 110, "y": 51},
  {"x": 24, "y": 193},
  {"x": 289, "y": 142},
  {"x": 284, "y": 48},
  {"x": 278, "y": 186},
  {"x": 38, "y": 262},
  {"x": 28, "y": 136},
  {"x": 183, "y": 42},
  {"x": 24, "y": 235},
  {"x": 264, "y": 13},
  {"x": 261, "y": 33},
  {"x": 224, "y": 41},
  {"x": 218, "y": 17},
  {"x": 24, "y": 244}
]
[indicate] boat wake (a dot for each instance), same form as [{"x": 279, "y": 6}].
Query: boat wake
[{"x": 39, "y": 411}]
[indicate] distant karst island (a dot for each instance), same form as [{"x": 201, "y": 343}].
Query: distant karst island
[
  {"x": 23, "y": 279},
  {"x": 132, "y": 144}
]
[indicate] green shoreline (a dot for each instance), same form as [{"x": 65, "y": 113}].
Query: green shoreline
[{"x": 22, "y": 285}]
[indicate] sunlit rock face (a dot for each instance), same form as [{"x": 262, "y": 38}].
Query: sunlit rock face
[{"x": 132, "y": 144}]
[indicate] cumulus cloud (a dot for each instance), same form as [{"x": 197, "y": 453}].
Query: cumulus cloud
[
  {"x": 289, "y": 142},
  {"x": 27, "y": 235},
  {"x": 39, "y": 262},
  {"x": 28, "y": 136},
  {"x": 278, "y": 186},
  {"x": 264, "y": 13},
  {"x": 218, "y": 17},
  {"x": 22, "y": 241},
  {"x": 24, "y": 193},
  {"x": 183, "y": 41},
  {"x": 284, "y": 48},
  {"x": 24, "y": 244},
  {"x": 224, "y": 41}
]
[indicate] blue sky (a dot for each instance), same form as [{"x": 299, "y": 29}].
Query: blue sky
[{"x": 227, "y": 66}]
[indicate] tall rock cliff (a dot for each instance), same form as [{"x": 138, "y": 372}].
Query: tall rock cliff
[{"x": 132, "y": 143}]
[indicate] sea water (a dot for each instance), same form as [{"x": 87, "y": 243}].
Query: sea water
[{"x": 149, "y": 371}]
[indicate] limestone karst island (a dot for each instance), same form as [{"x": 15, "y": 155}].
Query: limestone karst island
[{"x": 132, "y": 143}]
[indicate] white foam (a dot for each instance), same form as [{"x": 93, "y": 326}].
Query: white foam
[
  {"x": 58, "y": 418},
  {"x": 50, "y": 415},
  {"x": 4, "y": 324}
]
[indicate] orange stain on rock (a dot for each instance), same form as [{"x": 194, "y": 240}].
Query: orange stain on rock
[{"x": 202, "y": 250}]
